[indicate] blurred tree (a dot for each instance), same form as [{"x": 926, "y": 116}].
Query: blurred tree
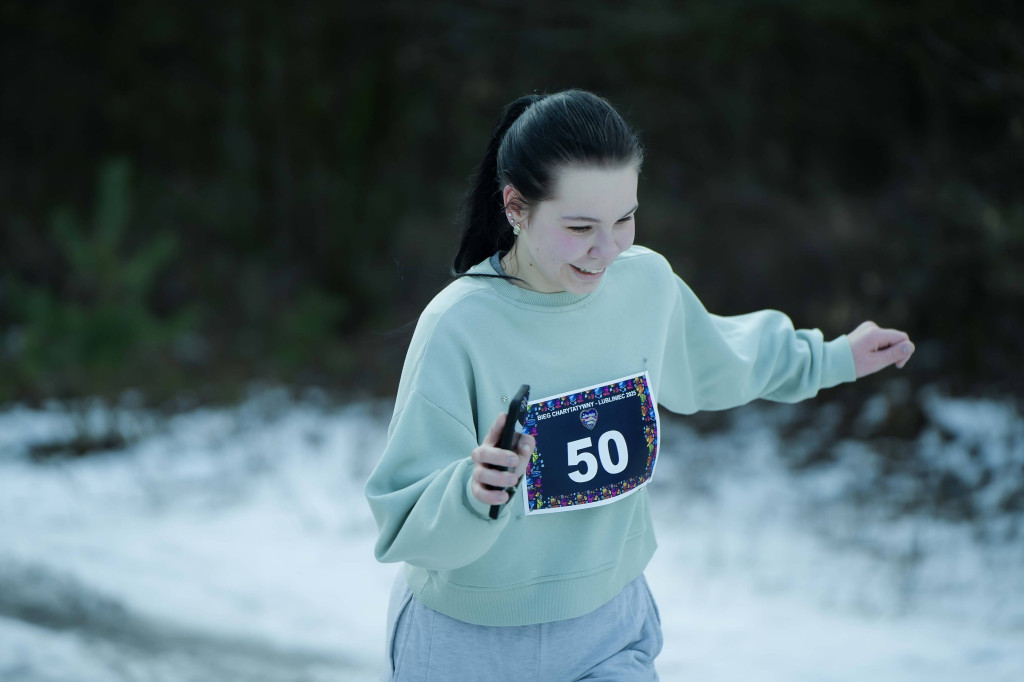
[
  {"x": 309, "y": 160},
  {"x": 98, "y": 334}
]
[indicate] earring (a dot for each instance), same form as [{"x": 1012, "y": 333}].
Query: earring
[{"x": 515, "y": 229}]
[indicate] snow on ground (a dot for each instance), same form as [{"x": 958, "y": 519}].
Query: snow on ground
[{"x": 236, "y": 544}]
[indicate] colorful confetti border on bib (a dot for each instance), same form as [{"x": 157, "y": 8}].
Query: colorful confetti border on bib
[{"x": 535, "y": 498}]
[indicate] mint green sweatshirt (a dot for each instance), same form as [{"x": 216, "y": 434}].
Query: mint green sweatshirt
[{"x": 475, "y": 344}]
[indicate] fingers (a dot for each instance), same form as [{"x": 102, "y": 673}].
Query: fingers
[
  {"x": 891, "y": 347},
  {"x": 497, "y": 468},
  {"x": 488, "y": 496},
  {"x": 495, "y": 433},
  {"x": 887, "y": 338},
  {"x": 492, "y": 466},
  {"x": 875, "y": 348},
  {"x": 902, "y": 352},
  {"x": 488, "y": 454}
]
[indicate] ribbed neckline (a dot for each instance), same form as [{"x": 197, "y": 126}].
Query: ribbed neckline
[{"x": 507, "y": 289}]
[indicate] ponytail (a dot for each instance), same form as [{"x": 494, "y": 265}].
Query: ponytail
[
  {"x": 536, "y": 137},
  {"x": 484, "y": 227}
]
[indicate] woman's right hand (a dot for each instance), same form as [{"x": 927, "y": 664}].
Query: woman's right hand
[{"x": 488, "y": 455}]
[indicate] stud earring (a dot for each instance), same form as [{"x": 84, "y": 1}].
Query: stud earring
[{"x": 515, "y": 229}]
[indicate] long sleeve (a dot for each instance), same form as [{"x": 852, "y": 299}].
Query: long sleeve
[
  {"x": 419, "y": 492},
  {"x": 713, "y": 362},
  {"x": 420, "y": 495}
]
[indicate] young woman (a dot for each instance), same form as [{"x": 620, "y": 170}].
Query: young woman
[{"x": 552, "y": 292}]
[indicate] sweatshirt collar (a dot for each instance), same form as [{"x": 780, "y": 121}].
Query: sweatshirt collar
[{"x": 507, "y": 289}]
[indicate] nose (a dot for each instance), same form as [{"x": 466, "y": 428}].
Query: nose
[{"x": 604, "y": 247}]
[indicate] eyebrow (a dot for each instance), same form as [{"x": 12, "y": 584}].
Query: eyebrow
[{"x": 588, "y": 219}]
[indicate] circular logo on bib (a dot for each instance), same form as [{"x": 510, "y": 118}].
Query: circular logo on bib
[{"x": 589, "y": 418}]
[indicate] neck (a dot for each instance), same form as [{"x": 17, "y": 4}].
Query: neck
[{"x": 510, "y": 266}]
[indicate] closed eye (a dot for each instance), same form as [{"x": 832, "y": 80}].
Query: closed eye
[{"x": 584, "y": 228}]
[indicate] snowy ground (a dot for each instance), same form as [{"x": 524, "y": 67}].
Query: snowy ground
[{"x": 235, "y": 545}]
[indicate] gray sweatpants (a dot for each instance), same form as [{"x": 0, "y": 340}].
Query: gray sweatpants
[{"x": 617, "y": 642}]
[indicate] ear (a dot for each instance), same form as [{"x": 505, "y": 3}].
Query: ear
[{"x": 515, "y": 207}]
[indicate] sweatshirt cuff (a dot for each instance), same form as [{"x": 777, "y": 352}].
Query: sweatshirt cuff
[{"x": 838, "y": 367}]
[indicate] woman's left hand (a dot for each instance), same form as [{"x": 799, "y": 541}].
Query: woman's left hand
[{"x": 875, "y": 348}]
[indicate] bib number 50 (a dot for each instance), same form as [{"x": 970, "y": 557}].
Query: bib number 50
[{"x": 578, "y": 456}]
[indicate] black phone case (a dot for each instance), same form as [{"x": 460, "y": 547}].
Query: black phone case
[{"x": 516, "y": 415}]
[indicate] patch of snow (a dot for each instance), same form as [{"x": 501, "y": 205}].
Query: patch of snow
[{"x": 236, "y": 544}]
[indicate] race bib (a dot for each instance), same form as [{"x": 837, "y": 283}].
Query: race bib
[{"x": 594, "y": 445}]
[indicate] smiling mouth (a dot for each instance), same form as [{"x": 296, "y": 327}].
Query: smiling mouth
[{"x": 589, "y": 272}]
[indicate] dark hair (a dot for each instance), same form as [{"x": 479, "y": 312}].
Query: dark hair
[{"x": 536, "y": 136}]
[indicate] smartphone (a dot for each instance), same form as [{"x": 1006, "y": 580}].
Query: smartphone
[{"x": 515, "y": 423}]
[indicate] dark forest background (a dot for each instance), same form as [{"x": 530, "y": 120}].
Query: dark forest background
[{"x": 197, "y": 195}]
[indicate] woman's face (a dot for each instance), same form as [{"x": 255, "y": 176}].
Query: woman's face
[{"x": 566, "y": 242}]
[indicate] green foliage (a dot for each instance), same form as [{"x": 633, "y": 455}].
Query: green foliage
[
  {"x": 296, "y": 172},
  {"x": 100, "y": 266},
  {"x": 99, "y": 335},
  {"x": 305, "y": 334}
]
